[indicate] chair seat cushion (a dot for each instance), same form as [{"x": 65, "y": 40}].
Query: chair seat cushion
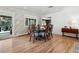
[{"x": 38, "y": 34}]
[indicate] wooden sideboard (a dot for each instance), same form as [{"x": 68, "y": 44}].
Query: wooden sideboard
[{"x": 70, "y": 30}]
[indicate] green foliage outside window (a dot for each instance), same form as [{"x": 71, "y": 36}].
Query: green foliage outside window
[
  {"x": 30, "y": 21},
  {"x": 5, "y": 23}
]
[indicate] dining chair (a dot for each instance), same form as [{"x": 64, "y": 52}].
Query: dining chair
[
  {"x": 49, "y": 29},
  {"x": 32, "y": 32},
  {"x": 46, "y": 32}
]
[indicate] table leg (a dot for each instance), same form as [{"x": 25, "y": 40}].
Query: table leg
[
  {"x": 62, "y": 33},
  {"x": 77, "y": 36}
]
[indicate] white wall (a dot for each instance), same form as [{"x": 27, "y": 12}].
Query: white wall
[
  {"x": 62, "y": 18},
  {"x": 59, "y": 19},
  {"x": 18, "y": 20},
  {"x": 19, "y": 23}
]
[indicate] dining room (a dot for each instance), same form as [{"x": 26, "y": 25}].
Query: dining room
[
  {"x": 38, "y": 29},
  {"x": 41, "y": 31}
]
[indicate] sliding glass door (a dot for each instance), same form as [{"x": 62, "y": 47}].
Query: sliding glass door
[{"x": 5, "y": 25}]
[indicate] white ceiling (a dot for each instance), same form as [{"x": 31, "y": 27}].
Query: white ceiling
[{"x": 38, "y": 10}]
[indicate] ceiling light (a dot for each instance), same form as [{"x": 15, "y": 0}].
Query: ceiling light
[{"x": 50, "y": 6}]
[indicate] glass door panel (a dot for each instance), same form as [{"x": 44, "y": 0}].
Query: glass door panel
[{"x": 5, "y": 26}]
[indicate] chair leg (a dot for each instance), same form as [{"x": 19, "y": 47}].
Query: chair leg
[
  {"x": 34, "y": 40},
  {"x": 52, "y": 35},
  {"x": 30, "y": 38},
  {"x": 45, "y": 40},
  {"x": 45, "y": 37}
]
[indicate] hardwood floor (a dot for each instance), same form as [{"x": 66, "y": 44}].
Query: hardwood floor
[{"x": 57, "y": 44}]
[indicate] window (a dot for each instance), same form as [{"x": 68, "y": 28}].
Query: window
[
  {"x": 5, "y": 23},
  {"x": 27, "y": 21},
  {"x": 30, "y": 21}
]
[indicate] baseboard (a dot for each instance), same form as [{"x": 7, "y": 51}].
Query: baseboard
[{"x": 19, "y": 35}]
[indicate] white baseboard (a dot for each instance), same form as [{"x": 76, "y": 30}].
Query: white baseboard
[{"x": 19, "y": 34}]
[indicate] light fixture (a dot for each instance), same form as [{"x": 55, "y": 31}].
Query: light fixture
[{"x": 50, "y": 6}]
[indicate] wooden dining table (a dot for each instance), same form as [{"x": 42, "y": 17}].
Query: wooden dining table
[{"x": 40, "y": 34}]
